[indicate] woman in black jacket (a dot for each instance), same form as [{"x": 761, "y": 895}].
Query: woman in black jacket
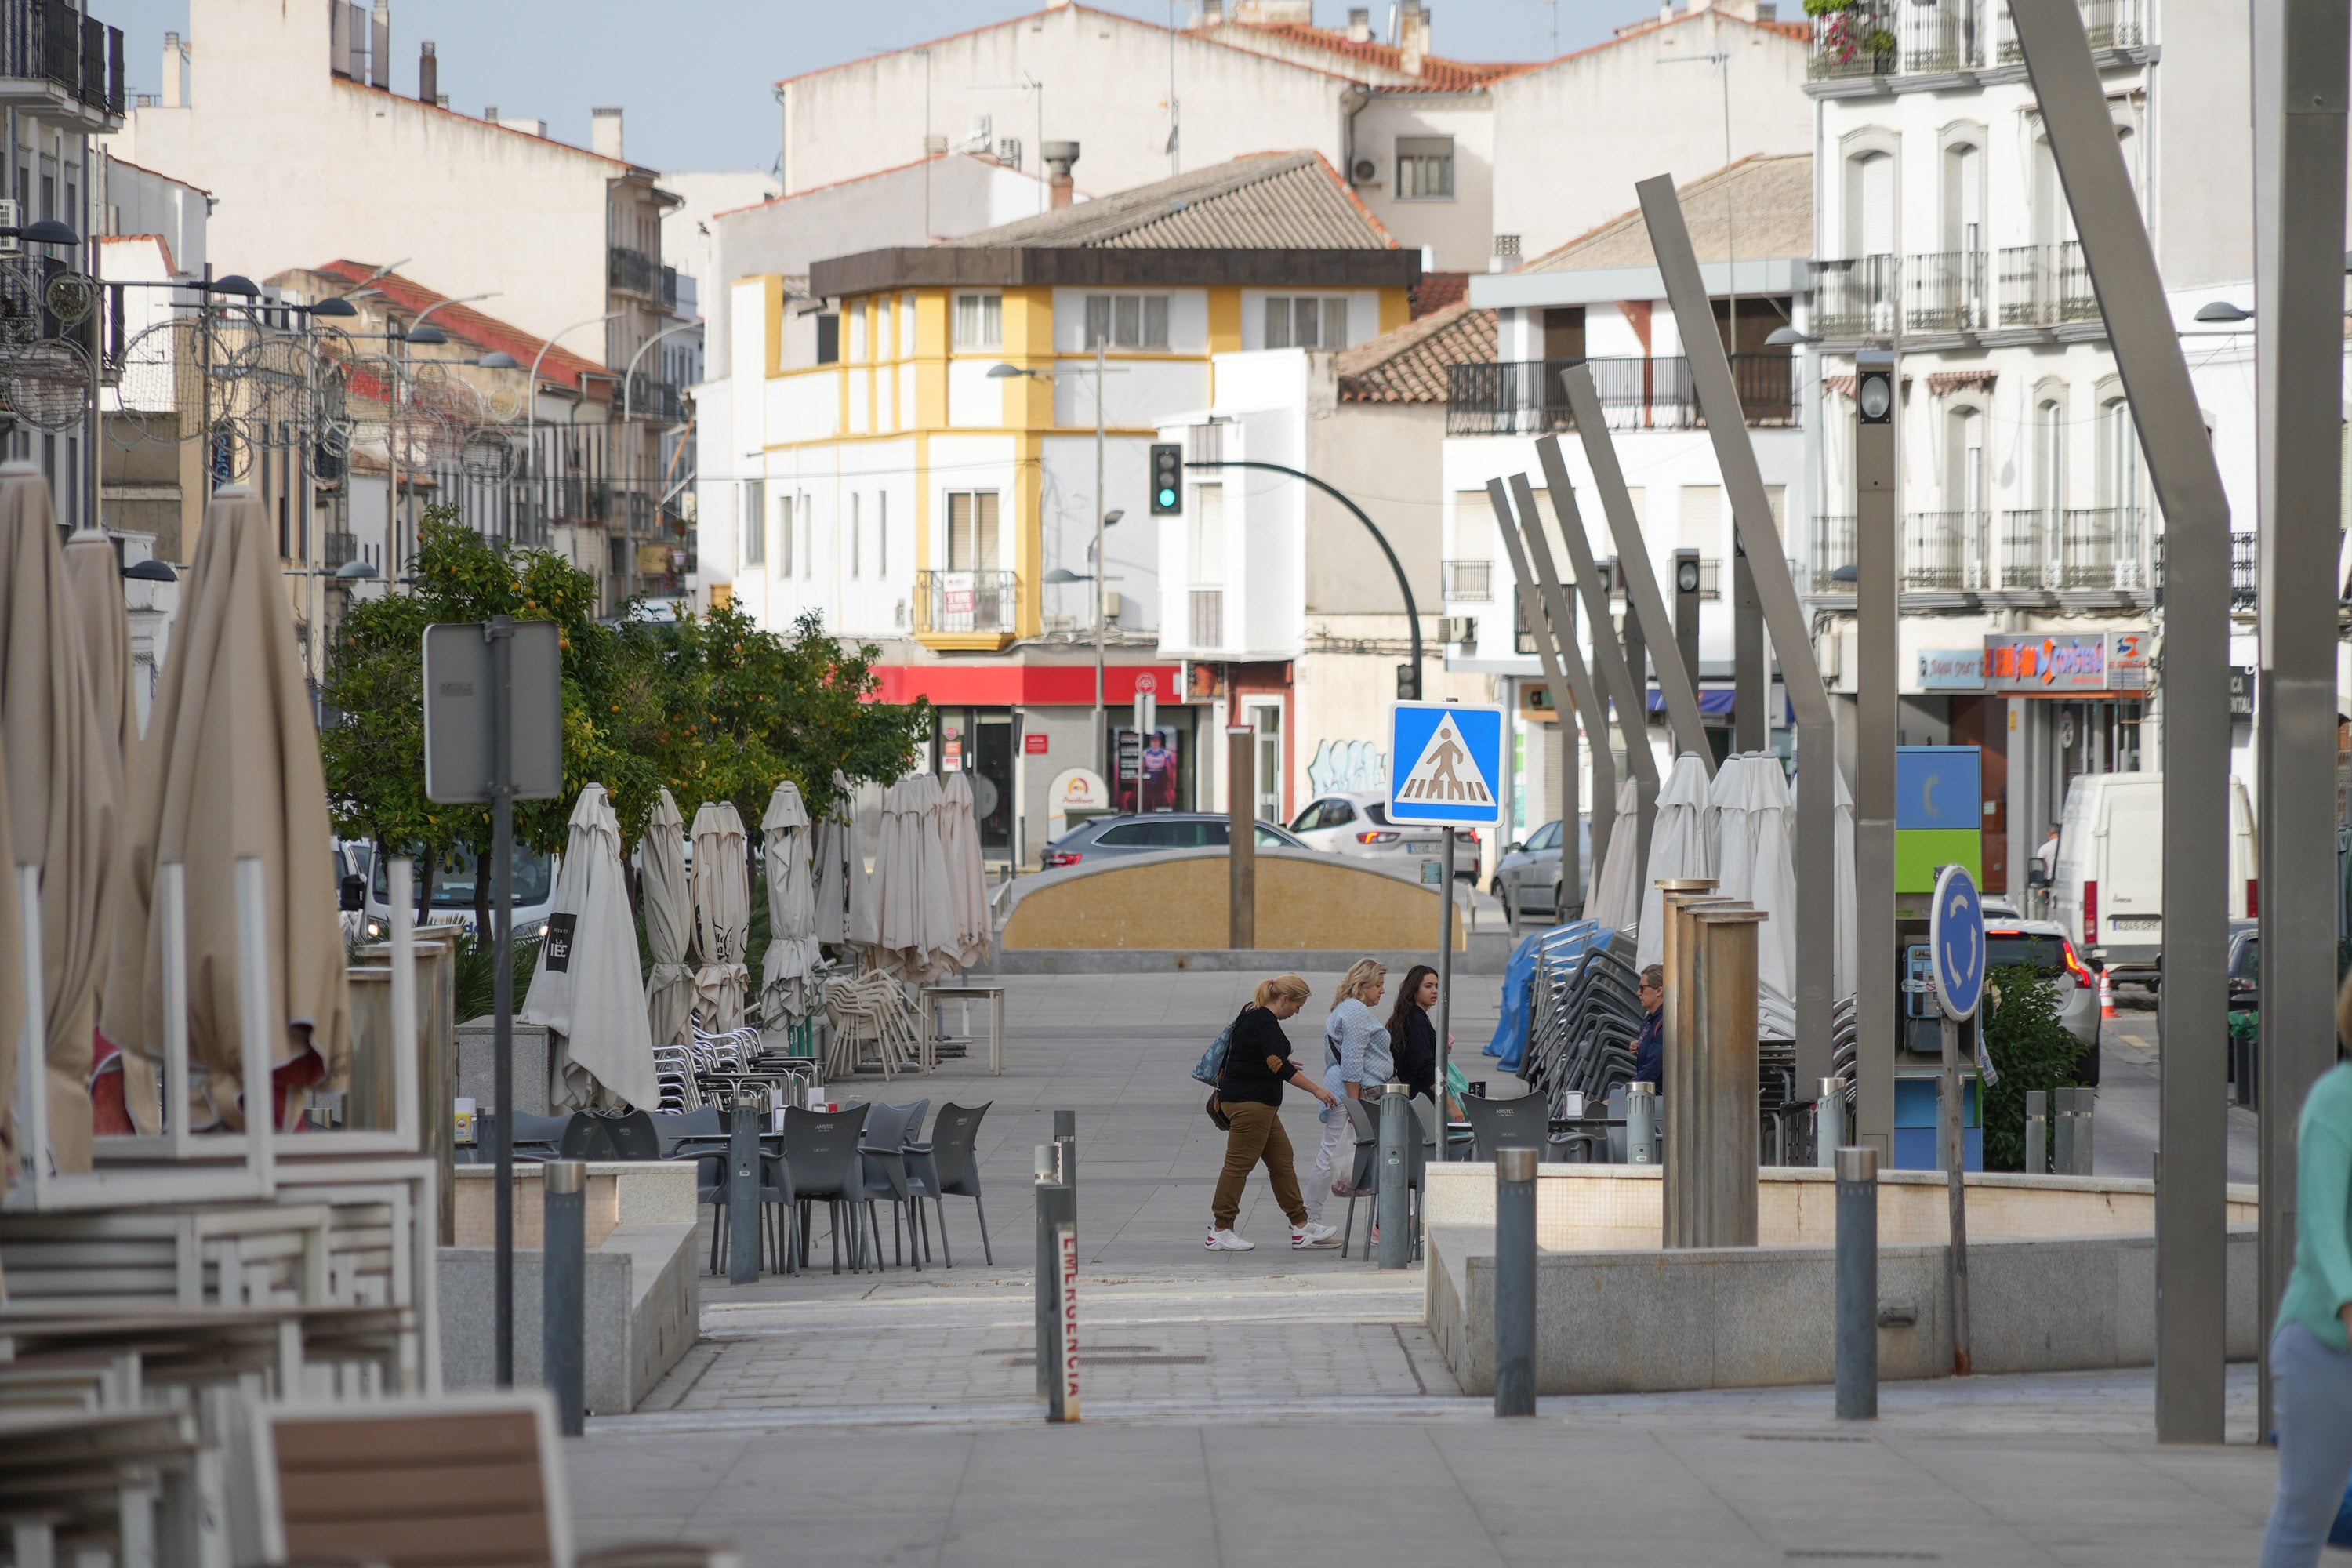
[
  {"x": 1411, "y": 1035},
  {"x": 1249, "y": 1095}
]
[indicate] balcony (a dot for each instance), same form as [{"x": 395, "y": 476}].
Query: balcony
[
  {"x": 657, "y": 400},
  {"x": 1859, "y": 296},
  {"x": 1469, "y": 581},
  {"x": 2025, "y": 552},
  {"x": 2045, "y": 285},
  {"x": 1205, "y": 618},
  {"x": 1948, "y": 292},
  {"x": 665, "y": 289},
  {"x": 1888, "y": 37},
  {"x": 1833, "y": 536},
  {"x": 52, "y": 57},
  {"x": 1938, "y": 550},
  {"x": 1526, "y": 397},
  {"x": 633, "y": 272},
  {"x": 2245, "y": 573},
  {"x": 339, "y": 549},
  {"x": 2099, "y": 548},
  {"x": 981, "y": 606},
  {"x": 2108, "y": 24}
]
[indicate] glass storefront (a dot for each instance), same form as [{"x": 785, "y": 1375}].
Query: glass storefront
[{"x": 978, "y": 742}]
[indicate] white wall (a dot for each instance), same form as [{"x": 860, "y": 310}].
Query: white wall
[{"x": 1460, "y": 229}]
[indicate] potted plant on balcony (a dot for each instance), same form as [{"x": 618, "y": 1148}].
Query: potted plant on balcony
[{"x": 1854, "y": 35}]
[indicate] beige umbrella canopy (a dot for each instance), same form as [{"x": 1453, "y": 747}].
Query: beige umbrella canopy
[
  {"x": 63, "y": 782},
  {"x": 95, "y": 577},
  {"x": 583, "y": 988},
  {"x": 845, "y": 892},
  {"x": 12, "y": 991},
  {"x": 229, "y": 771},
  {"x": 670, "y": 920},
  {"x": 788, "y": 989},
  {"x": 722, "y": 915},
  {"x": 967, "y": 872}
]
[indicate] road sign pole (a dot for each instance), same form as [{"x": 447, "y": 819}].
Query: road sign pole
[
  {"x": 1877, "y": 1019},
  {"x": 1956, "y": 943},
  {"x": 1241, "y": 837},
  {"x": 1446, "y": 986},
  {"x": 1952, "y": 1113}
]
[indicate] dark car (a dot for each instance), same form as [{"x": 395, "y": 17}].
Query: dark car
[
  {"x": 1142, "y": 833},
  {"x": 2244, "y": 971}
]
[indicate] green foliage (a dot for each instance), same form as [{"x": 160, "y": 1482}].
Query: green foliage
[
  {"x": 713, "y": 707},
  {"x": 476, "y": 974},
  {"x": 2030, "y": 1048},
  {"x": 1826, "y": 7}
]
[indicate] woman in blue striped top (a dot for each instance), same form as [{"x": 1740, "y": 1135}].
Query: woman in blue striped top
[{"x": 1357, "y": 1059}]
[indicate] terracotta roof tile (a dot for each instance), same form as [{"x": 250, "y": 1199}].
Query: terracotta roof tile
[
  {"x": 1438, "y": 74},
  {"x": 560, "y": 365},
  {"x": 1410, "y": 363},
  {"x": 1267, "y": 201}
]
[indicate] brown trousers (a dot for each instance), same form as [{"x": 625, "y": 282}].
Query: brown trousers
[{"x": 1258, "y": 1135}]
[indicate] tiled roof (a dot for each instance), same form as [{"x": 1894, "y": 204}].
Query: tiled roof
[
  {"x": 1438, "y": 289},
  {"x": 1268, "y": 201},
  {"x": 1409, "y": 364},
  {"x": 558, "y": 366},
  {"x": 1771, "y": 214},
  {"x": 1438, "y": 74}
]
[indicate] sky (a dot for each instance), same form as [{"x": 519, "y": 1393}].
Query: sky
[{"x": 697, "y": 77}]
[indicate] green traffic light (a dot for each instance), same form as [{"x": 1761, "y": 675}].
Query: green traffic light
[{"x": 1166, "y": 497}]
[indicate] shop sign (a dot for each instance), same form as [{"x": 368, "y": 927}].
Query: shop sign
[
  {"x": 2127, "y": 659},
  {"x": 2242, "y": 691},
  {"x": 1074, "y": 795},
  {"x": 959, "y": 593},
  {"x": 2057, "y": 662},
  {"x": 1951, "y": 669},
  {"x": 1034, "y": 743}
]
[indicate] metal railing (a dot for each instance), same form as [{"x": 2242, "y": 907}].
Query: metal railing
[
  {"x": 2245, "y": 570},
  {"x": 1858, "y": 39},
  {"x": 1948, "y": 292},
  {"x": 2108, "y": 24},
  {"x": 1858, "y": 296},
  {"x": 1206, "y": 617},
  {"x": 1936, "y": 549},
  {"x": 2045, "y": 285},
  {"x": 1833, "y": 539},
  {"x": 1947, "y": 37},
  {"x": 666, "y": 287},
  {"x": 339, "y": 549},
  {"x": 1886, "y": 37},
  {"x": 948, "y": 602},
  {"x": 2099, "y": 547},
  {"x": 50, "y": 41},
  {"x": 632, "y": 271},
  {"x": 651, "y": 398},
  {"x": 1525, "y": 398},
  {"x": 1469, "y": 581},
  {"x": 2025, "y": 551}
]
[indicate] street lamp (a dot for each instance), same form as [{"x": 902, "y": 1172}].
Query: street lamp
[
  {"x": 628, "y": 389},
  {"x": 2223, "y": 310},
  {"x": 150, "y": 570},
  {"x": 531, "y": 384},
  {"x": 1789, "y": 337}
]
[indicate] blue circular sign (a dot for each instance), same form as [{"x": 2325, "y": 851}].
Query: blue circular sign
[{"x": 1955, "y": 937}]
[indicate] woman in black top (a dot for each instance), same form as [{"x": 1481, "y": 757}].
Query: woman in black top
[
  {"x": 1411, "y": 1035},
  {"x": 1249, "y": 1095}
]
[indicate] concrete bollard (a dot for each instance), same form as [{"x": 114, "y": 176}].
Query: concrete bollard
[
  {"x": 1641, "y": 1124},
  {"x": 1829, "y": 1123},
  {"x": 2086, "y": 1100},
  {"x": 2037, "y": 1132},
  {"x": 1065, "y": 1138},
  {"x": 1514, "y": 1282},
  {"x": 1049, "y": 1170},
  {"x": 743, "y": 1193},
  {"x": 563, "y": 1286},
  {"x": 2062, "y": 1134},
  {"x": 1394, "y": 1209},
  {"x": 1057, "y": 1279},
  {"x": 1857, "y": 1284}
]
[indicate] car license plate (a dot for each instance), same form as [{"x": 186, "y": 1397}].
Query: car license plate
[{"x": 2135, "y": 922}]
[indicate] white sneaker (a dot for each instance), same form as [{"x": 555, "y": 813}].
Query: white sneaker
[
  {"x": 1227, "y": 1241},
  {"x": 1312, "y": 1234}
]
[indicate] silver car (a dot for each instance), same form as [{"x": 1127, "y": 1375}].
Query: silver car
[
  {"x": 1139, "y": 833},
  {"x": 1356, "y": 822},
  {"x": 1527, "y": 879},
  {"x": 2045, "y": 945}
]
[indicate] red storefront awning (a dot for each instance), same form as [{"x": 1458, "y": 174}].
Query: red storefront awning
[{"x": 1021, "y": 685}]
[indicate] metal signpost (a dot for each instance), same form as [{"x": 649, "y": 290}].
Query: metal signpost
[
  {"x": 1446, "y": 760},
  {"x": 1241, "y": 837},
  {"x": 494, "y": 732},
  {"x": 2190, "y": 1210},
  {"x": 1876, "y": 1017},
  {"x": 1956, "y": 939}
]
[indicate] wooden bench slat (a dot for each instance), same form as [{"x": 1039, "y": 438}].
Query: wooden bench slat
[
  {"x": 505, "y": 1541},
  {"x": 439, "y": 1437},
  {"x": 503, "y": 1486}
]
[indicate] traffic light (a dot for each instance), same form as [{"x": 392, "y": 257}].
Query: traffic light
[
  {"x": 1408, "y": 683},
  {"x": 1168, "y": 479}
]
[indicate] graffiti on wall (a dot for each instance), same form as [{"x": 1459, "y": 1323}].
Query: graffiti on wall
[{"x": 1348, "y": 765}]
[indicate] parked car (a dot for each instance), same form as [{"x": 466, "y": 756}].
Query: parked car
[
  {"x": 453, "y": 894},
  {"x": 1356, "y": 822},
  {"x": 2108, "y": 891},
  {"x": 2045, "y": 945},
  {"x": 1138, "y": 832},
  {"x": 1527, "y": 879}
]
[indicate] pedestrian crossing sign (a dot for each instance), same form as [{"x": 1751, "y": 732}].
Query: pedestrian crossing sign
[{"x": 1445, "y": 764}]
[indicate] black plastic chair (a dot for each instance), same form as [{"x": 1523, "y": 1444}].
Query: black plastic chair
[
  {"x": 1521, "y": 1123},
  {"x": 883, "y": 1151},
  {"x": 821, "y": 1160},
  {"x": 944, "y": 1168}
]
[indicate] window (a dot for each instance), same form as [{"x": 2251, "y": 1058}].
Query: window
[
  {"x": 979, "y": 320},
  {"x": 972, "y": 531},
  {"x": 1963, "y": 199},
  {"x": 784, "y": 535},
  {"x": 2118, "y": 456},
  {"x": 882, "y": 534},
  {"x": 1305, "y": 323},
  {"x": 859, "y": 315},
  {"x": 1127, "y": 320},
  {"x": 754, "y": 520},
  {"x": 1870, "y": 204},
  {"x": 1425, "y": 168},
  {"x": 1207, "y": 563},
  {"x": 2049, "y": 455},
  {"x": 1563, "y": 333},
  {"x": 808, "y": 536},
  {"x": 1701, "y": 525},
  {"x": 1545, "y": 837},
  {"x": 856, "y": 524},
  {"x": 828, "y": 339}
]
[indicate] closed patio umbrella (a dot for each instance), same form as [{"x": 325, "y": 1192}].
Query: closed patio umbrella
[
  {"x": 63, "y": 782},
  {"x": 787, "y": 984},
  {"x": 12, "y": 988},
  {"x": 910, "y": 882},
  {"x": 104, "y": 626},
  {"x": 722, "y": 915},
  {"x": 1678, "y": 849},
  {"x": 1616, "y": 902},
  {"x": 844, "y": 892},
  {"x": 584, "y": 989},
  {"x": 230, "y": 769},
  {"x": 967, "y": 871},
  {"x": 668, "y": 903},
  {"x": 1755, "y": 861}
]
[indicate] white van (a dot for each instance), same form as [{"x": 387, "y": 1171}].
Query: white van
[
  {"x": 453, "y": 894},
  {"x": 2108, "y": 891}
]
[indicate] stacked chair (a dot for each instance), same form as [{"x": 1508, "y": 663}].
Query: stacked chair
[
  {"x": 870, "y": 1015},
  {"x": 1585, "y": 1017}
]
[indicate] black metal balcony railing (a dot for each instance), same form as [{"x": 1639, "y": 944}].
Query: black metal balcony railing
[
  {"x": 50, "y": 41},
  {"x": 2045, "y": 285},
  {"x": 1206, "y": 617},
  {"x": 1948, "y": 292},
  {"x": 667, "y": 288},
  {"x": 650, "y": 398},
  {"x": 1856, "y": 40},
  {"x": 1944, "y": 38},
  {"x": 2026, "y": 550},
  {"x": 1858, "y": 296},
  {"x": 1833, "y": 537},
  {"x": 2245, "y": 572},
  {"x": 1936, "y": 549},
  {"x": 951, "y": 602},
  {"x": 341, "y": 549},
  {"x": 1886, "y": 37},
  {"x": 1469, "y": 581},
  {"x": 2099, "y": 547},
  {"x": 2108, "y": 24},
  {"x": 1526, "y": 397},
  {"x": 632, "y": 271}
]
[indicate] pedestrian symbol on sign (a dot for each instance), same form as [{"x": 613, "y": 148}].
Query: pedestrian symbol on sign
[
  {"x": 1443, "y": 772},
  {"x": 1456, "y": 755}
]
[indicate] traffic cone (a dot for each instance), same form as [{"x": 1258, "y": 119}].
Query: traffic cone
[{"x": 2106, "y": 995}]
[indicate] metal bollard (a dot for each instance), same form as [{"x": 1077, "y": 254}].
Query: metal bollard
[
  {"x": 2037, "y": 1132},
  {"x": 1065, "y": 1138},
  {"x": 563, "y": 1286},
  {"x": 743, "y": 1193},
  {"x": 1641, "y": 1124},
  {"x": 1857, "y": 1284},
  {"x": 1829, "y": 1123},
  {"x": 1049, "y": 1170},
  {"x": 1393, "y": 1210},
  {"x": 2086, "y": 1100},
  {"x": 2062, "y": 1134},
  {"x": 1515, "y": 1281},
  {"x": 1057, "y": 1281}
]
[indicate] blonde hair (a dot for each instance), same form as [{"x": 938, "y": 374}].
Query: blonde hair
[
  {"x": 1364, "y": 972},
  {"x": 1289, "y": 985}
]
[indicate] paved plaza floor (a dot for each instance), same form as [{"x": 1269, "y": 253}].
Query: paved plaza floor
[{"x": 1289, "y": 1408}]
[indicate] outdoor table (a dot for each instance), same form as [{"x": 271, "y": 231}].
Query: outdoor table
[{"x": 935, "y": 994}]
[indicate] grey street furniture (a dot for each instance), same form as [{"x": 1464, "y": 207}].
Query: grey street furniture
[
  {"x": 945, "y": 1168},
  {"x": 821, "y": 1162},
  {"x": 882, "y": 1150}
]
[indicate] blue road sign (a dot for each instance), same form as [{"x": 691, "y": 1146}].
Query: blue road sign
[
  {"x": 1956, "y": 938},
  {"x": 1938, "y": 786},
  {"x": 1445, "y": 764}
]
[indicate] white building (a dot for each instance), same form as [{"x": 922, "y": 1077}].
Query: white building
[
  {"x": 1600, "y": 300},
  {"x": 2026, "y": 512},
  {"x": 1465, "y": 160}
]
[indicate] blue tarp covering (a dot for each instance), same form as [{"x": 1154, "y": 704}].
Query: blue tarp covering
[{"x": 1568, "y": 942}]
